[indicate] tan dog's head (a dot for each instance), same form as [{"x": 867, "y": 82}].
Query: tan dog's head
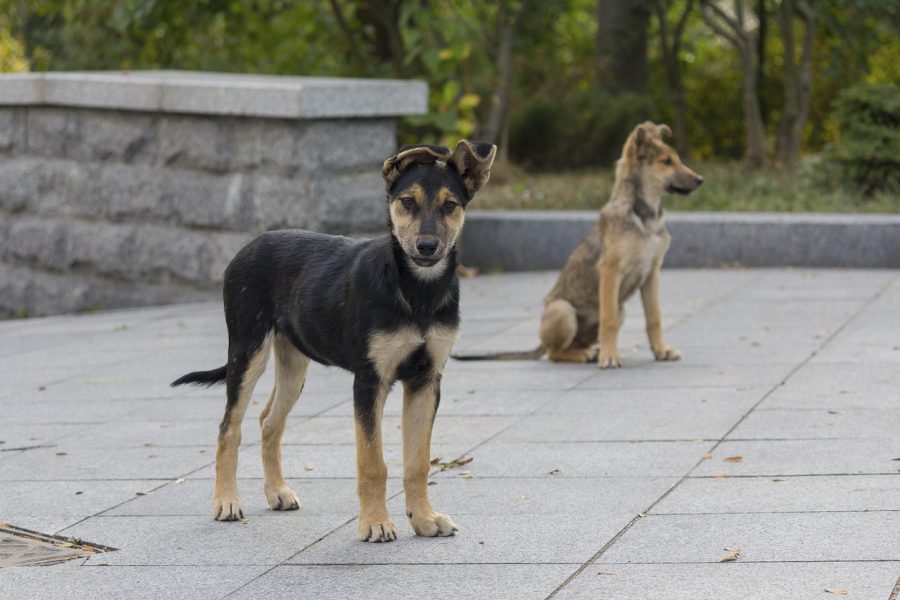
[
  {"x": 655, "y": 163},
  {"x": 428, "y": 189}
]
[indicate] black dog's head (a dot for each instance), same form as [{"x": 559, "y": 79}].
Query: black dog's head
[{"x": 428, "y": 189}]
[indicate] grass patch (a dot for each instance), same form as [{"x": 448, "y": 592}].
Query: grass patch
[{"x": 728, "y": 187}]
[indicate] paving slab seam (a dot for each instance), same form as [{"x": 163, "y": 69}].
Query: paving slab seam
[
  {"x": 766, "y": 395},
  {"x": 743, "y": 561}
]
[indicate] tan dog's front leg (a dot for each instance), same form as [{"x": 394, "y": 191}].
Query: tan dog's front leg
[
  {"x": 650, "y": 299},
  {"x": 419, "y": 407},
  {"x": 375, "y": 524},
  {"x": 610, "y": 281}
]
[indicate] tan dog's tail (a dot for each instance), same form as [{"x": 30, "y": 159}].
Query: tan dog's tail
[{"x": 526, "y": 355}]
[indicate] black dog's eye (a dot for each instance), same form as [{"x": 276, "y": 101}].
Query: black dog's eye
[
  {"x": 449, "y": 206},
  {"x": 668, "y": 161},
  {"x": 407, "y": 203}
]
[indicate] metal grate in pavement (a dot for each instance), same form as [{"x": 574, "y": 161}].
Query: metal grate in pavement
[{"x": 24, "y": 548}]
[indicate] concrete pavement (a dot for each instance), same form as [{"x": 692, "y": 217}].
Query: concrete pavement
[{"x": 776, "y": 434}]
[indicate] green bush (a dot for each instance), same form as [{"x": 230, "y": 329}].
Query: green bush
[
  {"x": 866, "y": 155},
  {"x": 579, "y": 130}
]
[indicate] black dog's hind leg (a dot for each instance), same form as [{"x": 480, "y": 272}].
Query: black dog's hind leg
[
  {"x": 290, "y": 373},
  {"x": 244, "y": 369},
  {"x": 375, "y": 524}
]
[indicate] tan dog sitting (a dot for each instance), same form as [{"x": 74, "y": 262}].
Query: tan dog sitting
[{"x": 621, "y": 254}]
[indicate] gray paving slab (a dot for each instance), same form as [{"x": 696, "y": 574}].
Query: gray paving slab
[
  {"x": 684, "y": 374},
  {"x": 510, "y": 538},
  {"x": 737, "y": 581},
  {"x": 774, "y": 537},
  {"x": 139, "y": 583},
  {"x": 193, "y": 497},
  {"x": 803, "y": 457},
  {"x": 540, "y": 496},
  {"x": 783, "y": 494},
  {"x": 201, "y": 541},
  {"x": 551, "y": 481},
  {"x": 448, "y": 430},
  {"x": 456, "y": 582},
  {"x": 786, "y": 423},
  {"x": 49, "y": 464},
  {"x": 584, "y": 459},
  {"x": 597, "y": 415}
]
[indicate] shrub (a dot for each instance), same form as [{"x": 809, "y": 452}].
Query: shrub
[
  {"x": 577, "y": 130},
  {"x": 866, "y": 155}
]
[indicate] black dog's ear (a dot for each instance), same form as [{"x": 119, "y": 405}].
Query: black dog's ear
[
  {"x": 473, "y": 161},
  {"x": 408, "y": 155}
]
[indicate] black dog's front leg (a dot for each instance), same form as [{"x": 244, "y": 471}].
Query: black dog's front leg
[{"x": 375, "y": 524}]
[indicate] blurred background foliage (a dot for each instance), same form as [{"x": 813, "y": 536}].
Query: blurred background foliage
[{"x": 557, "y": 83}]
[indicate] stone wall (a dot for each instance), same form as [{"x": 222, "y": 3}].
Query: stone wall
[{"x": 108, "y": 206}]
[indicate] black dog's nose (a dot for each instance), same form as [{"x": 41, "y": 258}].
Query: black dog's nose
[
  {"x": 699, "y": 180},
  {"x": 427, "y": 247}
]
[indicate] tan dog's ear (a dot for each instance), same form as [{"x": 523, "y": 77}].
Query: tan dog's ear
[
  {"x": 408, "y": 155},
  {"x": 663, "y": 130},
  {"x": 473, "y": 162},
  {"x": 645, "y": 136}
]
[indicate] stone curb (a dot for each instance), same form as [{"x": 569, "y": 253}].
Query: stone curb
[
  {"x": 218, "y": 94},
  {"x": 536, "y": 240}
]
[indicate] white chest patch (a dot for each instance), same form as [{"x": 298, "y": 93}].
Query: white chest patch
[{"x": 388, "y": 349}]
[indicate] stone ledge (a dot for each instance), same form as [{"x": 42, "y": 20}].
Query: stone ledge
[
  {"x": 532, "y": 240},
  {"x": 218, "y": 94}
]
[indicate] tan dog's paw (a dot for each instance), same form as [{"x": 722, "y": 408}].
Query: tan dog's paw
[
  {"x": 609, "y": 360},
  {"x": 667, "y": 353},
  {"x": 228, "y": 509},
  {"x": 282, "y": 498},
  {"x": 377, "y": 531},
  {"x": 433, "y": 525}
]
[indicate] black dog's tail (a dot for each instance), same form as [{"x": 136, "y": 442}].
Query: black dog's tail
[
  {"x": 526, "y": 355},
  {"x": 207, "y": 378}
]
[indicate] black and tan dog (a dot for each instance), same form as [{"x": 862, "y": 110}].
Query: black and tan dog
[
  {"x": 385, "y": 309},
  {"x": 621, "y": 254}
]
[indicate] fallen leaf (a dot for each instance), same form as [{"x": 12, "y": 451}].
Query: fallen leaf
[
  {"x": 307, "y": 469},
  {"x": 179, "y": 480},
  {"x": 730, "y": 555},
  {"x": 779, "y": 479},
  {"x": 523, "y": 497},
  {"x": 481, "y": 542},
  {"x": 642, "y": 515},
  {"x": 60, "y": 453},
  {"x": 720, "y": 476},
  {"x": 453, "y": 464},
  {"x": 41, "y": 388},
  {"x": 733, "y": 459},
  {"x": 432, "y": 483},
  {"x": 78, "y": 493},
  {"x": 467, "y": 475},
  {"x": 605, "y": 573},
  {"x": 555, "y": 472},
  {"x": 837, "y": 591},
  {"x": 707, "y": 455}
]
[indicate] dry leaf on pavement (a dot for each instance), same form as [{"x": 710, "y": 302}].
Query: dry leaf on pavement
[
  {"x": 837, "y": 591},
  {"x": 730, "y": 554},
  {"x": 733, "y": 459}
]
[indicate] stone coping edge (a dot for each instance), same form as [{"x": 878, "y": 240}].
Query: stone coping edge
[
  {"x": 539, "y": 240},
  {"x": 218, "y": 94}
]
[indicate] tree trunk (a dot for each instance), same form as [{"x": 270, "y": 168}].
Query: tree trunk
[
  {"x": 797, "y": 81},
  {"x": 670, "y": 47},
  {"x": 621, "y": 63},
  {"x": 500, "y": 99},
  {"x": 754, "y": 131},
  {"x": 734, "y": 29}
]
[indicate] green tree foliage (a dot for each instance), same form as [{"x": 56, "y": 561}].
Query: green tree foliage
[
  {"x": 561, "y": 112},
  {"x": 867, "y": 153}
]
